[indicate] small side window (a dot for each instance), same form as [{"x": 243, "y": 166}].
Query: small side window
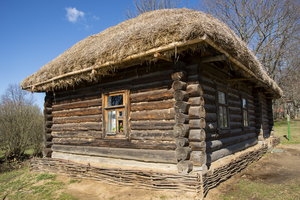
[
  {"x": 222, "y": 110},
  {"x": 115, "y": 112},
  {"x": 245, "y": 112}
]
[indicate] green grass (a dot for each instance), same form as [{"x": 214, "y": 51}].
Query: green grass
[
  {"x": 281, "y": 129},
  {"x": 247, "y": 189},
  {"x": 21, "y": 184}
]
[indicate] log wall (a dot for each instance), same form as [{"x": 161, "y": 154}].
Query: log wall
[{"x": 75, "y": 121}]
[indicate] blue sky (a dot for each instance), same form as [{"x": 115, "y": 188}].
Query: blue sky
[{"x": 33, "y": 32}]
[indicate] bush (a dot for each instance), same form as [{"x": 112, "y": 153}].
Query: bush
[{"x": 21, "y": 123}]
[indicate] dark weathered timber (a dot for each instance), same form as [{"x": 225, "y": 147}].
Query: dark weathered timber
[
  {"x": 182, "y": 142},
  {"x": 86, "y": 126},
  {"x": 78, "y": 112},
  {"x": 182, "y": 153},
  {"x": 198, "y": 157},
  {"x": 197, "y": 123},
  {"x": 153, "y": 105},
  {"x": 164, "y": 114},
  {"x": 181, "y": 107},
  {"x": 80, "y": 104},
  {"x": 181, "y": 95},
  {"x": 160, "y": 156},
  {"x": 152, "y": 125},
  {"x": 224, "y": 142},
  {"x": 197, "y": 112},
  {"x": 177, "y": 76},
  {"x": 155, "y": 95},
  {"x": 152, "y": 135},
  {"x": 181, "y": 130},
  {"x": 77, "y": 119},
  {"x": 215, "y": 155},
  {"x": 194, "y": 90},
  {"x": 196, "y": 101},
  {"x": 184, "y": 166},
  {"x": 117, "y": 143},
  {"x": 179, "y": 85},
  {"x": 197, "y": 135}
]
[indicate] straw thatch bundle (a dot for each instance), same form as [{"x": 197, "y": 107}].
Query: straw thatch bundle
[{"x": 136, "y": 40}]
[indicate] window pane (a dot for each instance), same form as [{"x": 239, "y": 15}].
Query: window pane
[
  {"x": 120, "y": 126},
  {"x": 111, "y": 122},
  {"x": 225, "y": 124},
  {"x": 115, "y": 100},
  {"x": 244, "y": 103},
  {"x": 221, "y": 118},
  {"x": 245, "y": 117},
  {"x": 221, "y": 97}
]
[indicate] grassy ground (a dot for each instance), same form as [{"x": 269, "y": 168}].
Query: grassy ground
[
  {"x": 281, "y": 129},
  {"x": 21, "y": 184}
]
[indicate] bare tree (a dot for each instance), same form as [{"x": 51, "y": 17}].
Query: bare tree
[
  {"x": 21, "y": 123},
  {"x": 142, "y": 6},
  {"x": 268, "y": 27}
]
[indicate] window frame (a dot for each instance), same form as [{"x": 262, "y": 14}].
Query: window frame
[
  {"x": 246, "y": 109},
  {"x": 224, "y": 106},
  {"x": 117, "y": 108}
]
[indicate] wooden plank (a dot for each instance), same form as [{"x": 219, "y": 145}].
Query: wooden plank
[
  {"x": 152, "y": 135},
  {"x": 156, "y": 95},
  {"x": 78, "y": 112},
  {"x": 160, "y": 156},
  {"x": 164, "y": 114},
  {"x": 77, "y": 119},
  {"x": 79, "y": 104},
  {"x": 85, "y": 126},
  {"x": 153, "y": 105},
  {"x": 152, "y": 125}
]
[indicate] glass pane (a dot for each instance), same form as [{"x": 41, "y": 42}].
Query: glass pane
[
  {"x": 115, "y": 100},
  {"x": 221, "y": 118},
  {"x": 121, "y": 126},
  {"x": 221, "y": 97},
  {"x": 225, "y": 117},
  {"x": 244, "y": 103},
  {"x": 245, "y": 117},
  {"x": 111, "y": 122}
]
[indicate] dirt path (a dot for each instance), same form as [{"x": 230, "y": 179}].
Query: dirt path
[{"x": 279, "y": 166}]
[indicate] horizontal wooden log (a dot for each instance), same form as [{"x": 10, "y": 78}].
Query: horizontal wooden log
[
  {"x": 235, "y": 118},
  {"x": 196, "y": 101},
  {"x": 159, "y": 156},
  {"x": 197, "y": 112},
  {"x": 152, "y": 135},
  {"x": 117, "y": 143},
  {"x": 208, "y": 89},
  {"x": 92, "y": 134},
  {"x": 78, "y": 112},
  {"x": 194, "y": 90},
  {"x": 182, "y": 153},
  {"x": 234, "y": 110},
  {"x": 211, "y": 157},
  {"x": 198, "y": 158},
  {"x": 85, "y": 126},
  {"x": 211, "y": 117},
  {"x": 197, "y": 135},
  {"x": 181, "y": 107},
  {"x": 180, "y": 95},
  {"x": 184, "y": 167},
  {"x": 77, "y": 119},
  {"x": 153, "y": 105},
  {"x": 210, "y": 108},
  {"x": 197, "y": 123},
  {"x": 164, "y": 114},
  {"x": 209, "y": 99},
  {"x": 152, "y": 125},
  {"x": 80, "y": 104},
  {"x": 155, "y": 95},
  {"x": 224, "y": 142},
  {"x": 181, "y": 130},
  {"x": 179, "y": 85}
]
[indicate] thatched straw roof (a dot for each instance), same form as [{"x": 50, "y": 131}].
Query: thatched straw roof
[{"x": 137, "y": 39}]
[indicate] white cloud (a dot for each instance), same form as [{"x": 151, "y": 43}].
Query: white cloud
[{"x": 73, "y": 14}]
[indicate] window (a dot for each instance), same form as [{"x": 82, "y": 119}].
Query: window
[
  {"x": 245, "y": 112},
  {"x": 115, "y": 114},
  {"x": 222, "y": 110}
]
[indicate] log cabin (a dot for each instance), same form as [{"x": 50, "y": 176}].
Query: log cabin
[{"x": 156, "y": 101}]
